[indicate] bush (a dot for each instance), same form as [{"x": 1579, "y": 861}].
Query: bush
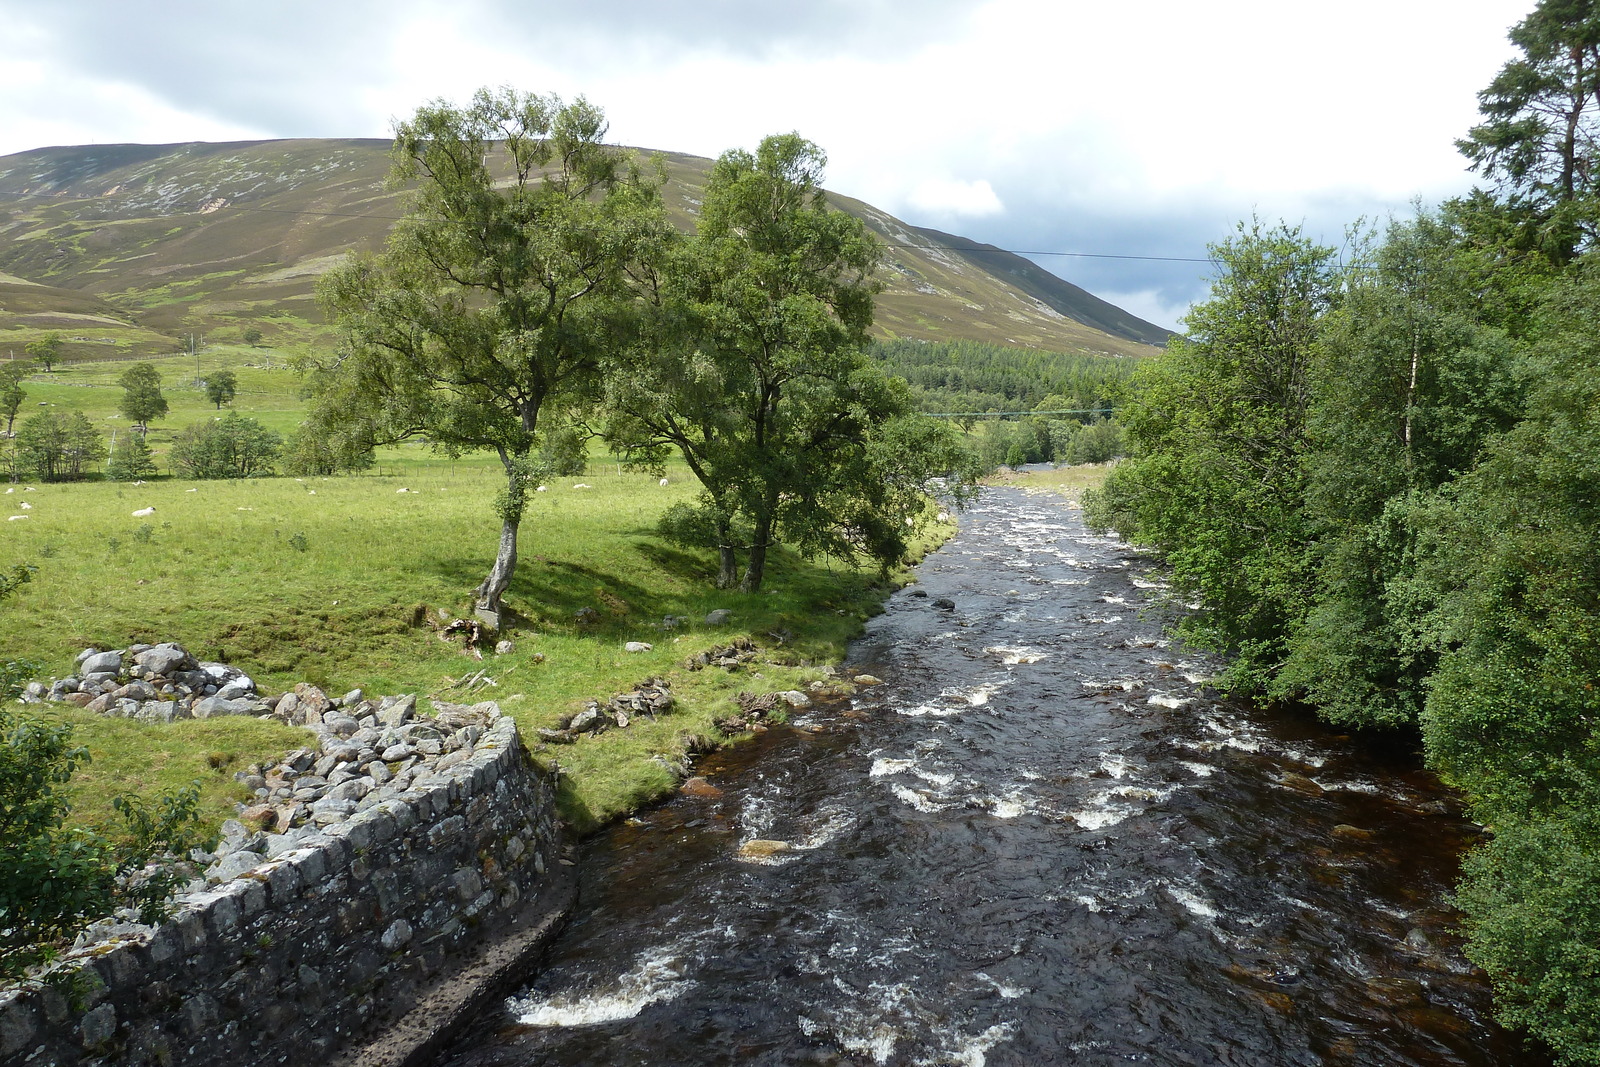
[
  {"x": 58, "y": 445},
  {"x": 317, "y": 449},
  {"x": 131, "y": 459},
  {"x": 231, "y": 447},
  {"x": 53, "y": 878}
]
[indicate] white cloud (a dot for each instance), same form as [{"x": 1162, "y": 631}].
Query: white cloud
[{"x": 945, "y": 196}]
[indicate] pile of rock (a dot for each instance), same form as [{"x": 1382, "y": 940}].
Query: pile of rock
[
  {"x": 367, "y": 752},
  {"x": 651, "y": 697},
  {"x": 729, "y": 657},
  {"x": 157, "y": 683},
  {"x": 755, "y": 707}
]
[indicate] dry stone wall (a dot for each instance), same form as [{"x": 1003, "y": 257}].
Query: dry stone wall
[{"x": 343, "y": 932}]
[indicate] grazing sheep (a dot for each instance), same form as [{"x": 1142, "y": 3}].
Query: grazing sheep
[
  {"x": 402, "y": 490},
  {"x": 14, "y": 518},
  {"x": 26, "y": 506},
  {"x": 142, "y": 512},
  {"x": 542, "y": 489},
  {"x": 663, "y": 481},
  {"x": 583, "y": 485}
]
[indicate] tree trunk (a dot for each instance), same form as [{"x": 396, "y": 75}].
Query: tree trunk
[
  {"x": 505, "y": 565},
  {"x": 756, "y": 568},
  {"x": 727, "y": 558}
]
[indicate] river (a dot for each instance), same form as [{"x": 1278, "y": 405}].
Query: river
[{"x": 1042, "y": 840}]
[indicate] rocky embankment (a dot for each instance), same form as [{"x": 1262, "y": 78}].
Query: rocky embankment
[{"x": 361, "y": 753}]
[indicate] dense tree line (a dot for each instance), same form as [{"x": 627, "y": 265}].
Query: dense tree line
[
  {"x": 954, "y": 376},
  {"x": 1382, "y": 484}
]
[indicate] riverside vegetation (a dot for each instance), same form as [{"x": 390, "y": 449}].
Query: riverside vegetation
[{"x": 1382, "y": 485}]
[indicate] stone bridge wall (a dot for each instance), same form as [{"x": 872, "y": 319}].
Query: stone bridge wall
[{"x": 362, "y": 947}]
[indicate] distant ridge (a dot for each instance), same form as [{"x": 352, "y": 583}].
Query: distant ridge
[{"x": 125, "y": 248}]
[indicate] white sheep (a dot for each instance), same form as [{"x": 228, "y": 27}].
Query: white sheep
[
  {"x": 583, "y": 485},
  {"x": 14, "y": 518},
  {"x": 142, "y": 512},
  {"x": 402, "y": 490},
  {"x": 26, "y": 506},
  {"x": 542, "y": 489},
  {"x": 663, "y": 481}
]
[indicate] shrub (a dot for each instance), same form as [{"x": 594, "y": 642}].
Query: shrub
[
  {"x": 55, "y": 878},
  {"x": 231, "y": 447},
  {"x": 131, "y": 459}
]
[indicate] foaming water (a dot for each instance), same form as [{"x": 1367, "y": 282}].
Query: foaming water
[{"x": 1043, "y": 840}]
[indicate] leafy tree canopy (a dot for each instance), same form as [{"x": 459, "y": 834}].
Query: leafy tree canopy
[{"x": 500, "y": 289}]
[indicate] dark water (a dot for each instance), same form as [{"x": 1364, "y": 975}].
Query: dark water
[{"x": 1039, "y": 842}]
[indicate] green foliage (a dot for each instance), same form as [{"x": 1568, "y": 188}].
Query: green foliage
[
  {"x": 54, "y": 878},
  {"x": 565, "y": 452},
  {"x": 58, "y": 446},
  {"x": 1219, "y": 427},
  {"x": 141, "y": 395},
  {"x": 1529, "y": 898},
  {"x": 1407, "y": 387},
  {"x": 12, "y": 394},
  {"x": 251, "y": 336},
  {"x": 231, "y": 447},
  {"x": 47, "y": 350},
  {"x": 500, "y": 289},
  {"x": 969, "y": 376},
  {"x": 323, "y": 445},
  {"x": 1541, "y": 120},
  {"x": 223, "y": 385},
  {"x": 131, "y": 459},
  {"x": 754, "y": 369}
]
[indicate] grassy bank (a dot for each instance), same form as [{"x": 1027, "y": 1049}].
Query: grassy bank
[
  {"x": 337, "y": 582},
  {"x": 1070, "y": 482}
]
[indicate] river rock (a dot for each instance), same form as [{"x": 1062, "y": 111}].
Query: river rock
[
  {"x": 762, "y": 849},
  {"x": 699, "y": 787}
]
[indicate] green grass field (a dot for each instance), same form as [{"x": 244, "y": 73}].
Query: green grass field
[{"x": 330, "y": 580}]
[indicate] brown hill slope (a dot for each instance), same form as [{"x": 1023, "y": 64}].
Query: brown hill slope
[{"x": 125, "y": 248}]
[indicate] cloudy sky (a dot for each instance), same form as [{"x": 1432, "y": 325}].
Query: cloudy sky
[{"x": 1143, "y": 129}]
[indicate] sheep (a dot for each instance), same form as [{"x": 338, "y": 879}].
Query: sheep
[
  {"x": 664, "y": 482},
  {"x": 26, "y": 506},
  {"x": 14, "y": 518},
  {"x": 402, "y": 490},
  {"x": 583, "y": 485},
  {"x": 142, "y": 512},
  {"x": 542, "y": 489}
]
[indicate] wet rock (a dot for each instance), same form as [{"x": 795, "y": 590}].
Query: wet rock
[
  {"x": 1349, "y": 832},
  {"x": 1300, "y": 783},
  {"x": 867, "y": 679},
  {"x": 1396, "y": 992},
  {"x": 699, "y": 787},
  {"x": 761, "y": 849},
  {"x": 918, "y": 593},
  {"x": 944, "y": 603}
]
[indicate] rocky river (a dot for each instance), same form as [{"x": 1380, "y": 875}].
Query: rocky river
[{"x": 1042, "y": 840}]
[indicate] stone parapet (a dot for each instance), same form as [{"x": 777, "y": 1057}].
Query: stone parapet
[{"x": 331, "y": 948}]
